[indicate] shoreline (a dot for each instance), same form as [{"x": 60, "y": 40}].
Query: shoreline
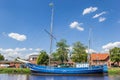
[
  {"x": 111, "y": 71},
  {"x": 15, "y": 70},
  {"x": 114, "y": 71}
]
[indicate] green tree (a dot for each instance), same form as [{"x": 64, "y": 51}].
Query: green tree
[
  {"x": 1, "y": 57},
  {"x": 43, "y": 58},
  {"x": 79, "y": 54},
  {"x": 62, "y": 50},
  {"x": 55, "y": 56},
  {"x": 115, "y": 55}
]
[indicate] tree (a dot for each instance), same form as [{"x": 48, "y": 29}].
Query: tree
[
  {"x": 115, "y": 55},
  {"x": 1, "y": 57},
  {"x": 62, "y": 50},
  {"x": 79, "y": 54},
  {"x": 43, "y": 58},
  {"x": 55, "y": 56}
]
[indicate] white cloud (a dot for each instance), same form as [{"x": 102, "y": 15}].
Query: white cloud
[
  {"x": 1, "y": 49},
  {"x": 18, "y": 52},
  {"x": 8, "y": 53},
  {"x": 101, "y": 19},
  {"x": 38, "y": 49},
  {"x": 20, "y": 49},
  {"x": 8, "y": 50},
  {"x": 109, "y": 46},
  {"x": 70, "y": 48},
  {"x": 89, "y": 10},
  {"x": 17, "y": 36},
  {"x": 12, "y": 50},
  {"x": 76, "y": 25},
  {"x": 30, "y": 49},
  {"x": 97, "y": 15},
  {"x": 90, "y": 51}
]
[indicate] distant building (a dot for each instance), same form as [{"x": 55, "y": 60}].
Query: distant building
[
  {"x": 100, "y": 59},
  {"x": 12, "y": 64},
  {"x": 33, "y": 59}
]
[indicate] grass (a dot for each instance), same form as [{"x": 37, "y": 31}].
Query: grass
[
  {"x": 15, "y": 70},
  {"x": 114, "y": 71}
]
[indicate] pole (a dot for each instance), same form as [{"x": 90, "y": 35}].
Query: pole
[
  {"x": 51, "y": 29},
  {"x": 89, "y": 45}
]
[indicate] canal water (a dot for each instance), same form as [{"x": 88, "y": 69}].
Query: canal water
[{"x": 35, "y": 77}]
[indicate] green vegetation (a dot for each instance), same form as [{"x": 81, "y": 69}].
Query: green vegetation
[
  {"x": 79, "y": 53},
  {"x": 1, "y": 57},
  {"x": 15, "y": 70},
  {"x": 62, "y": 51},
  {"x": 54, "y": 56},
  {"x": 43, "y": 58},
  {"x": 114, "y": 71},
  {"x": 115, "y": 55}
]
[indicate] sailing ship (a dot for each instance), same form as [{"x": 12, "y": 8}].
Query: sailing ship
[
  {"x": 67, "y": 71},
  {"x": 42, "y": 70},
  {"x": 48, "y": 70}
]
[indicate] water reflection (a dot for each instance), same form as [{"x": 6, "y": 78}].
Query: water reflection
[
  {"x": 13, "y": 77},
  {"x": 69, "y": 77},
  {"x": 35, "y": 77}
]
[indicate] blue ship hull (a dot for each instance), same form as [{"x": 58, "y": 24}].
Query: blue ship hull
[{"x": 67, "y": 71}]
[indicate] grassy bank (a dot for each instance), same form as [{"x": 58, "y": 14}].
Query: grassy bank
[
  {"x": 111, "y": 71},
  {"x": 15, "y": 70},
  {"x": 114, "y": 71}
]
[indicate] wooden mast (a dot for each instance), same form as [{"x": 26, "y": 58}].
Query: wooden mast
[
  {"x": 89, "y": 45},
  {"x": 51, "y": 29}
]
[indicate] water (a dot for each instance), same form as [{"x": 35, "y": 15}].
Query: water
[{"x": 35, "y": 77}]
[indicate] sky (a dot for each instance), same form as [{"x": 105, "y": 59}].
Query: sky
[{"x": 22, "y": 25}]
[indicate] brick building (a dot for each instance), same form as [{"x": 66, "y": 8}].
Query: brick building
[
  {"x": 13, "y": 64},
  {"x": 100, "y": 59}
]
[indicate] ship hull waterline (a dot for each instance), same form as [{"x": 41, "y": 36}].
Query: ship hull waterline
[{"x": 46, "y": 70}]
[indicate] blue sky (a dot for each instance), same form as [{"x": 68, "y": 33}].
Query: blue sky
[{"x": 22, "y": 24}]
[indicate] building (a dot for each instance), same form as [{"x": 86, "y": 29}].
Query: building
[
  {"x": 12, "y": 64},
  {"x": 100, "y": 59},
  {"x": 33, "y": 59}
]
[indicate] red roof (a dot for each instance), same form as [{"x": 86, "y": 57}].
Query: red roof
[{"x": 99, "y": 56}]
